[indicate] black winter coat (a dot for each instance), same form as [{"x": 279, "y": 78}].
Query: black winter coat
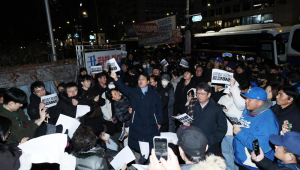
[
  {"x": 181, "y": 96},
  {"x": 34, "y": 111},
  {"x": 290, "y": 113},
  {"x": 212, "y": 121},
  {"x": 121, "y": 110},
  {"x": 146, "y": 114},
  {"x": 164, "y": 94}
]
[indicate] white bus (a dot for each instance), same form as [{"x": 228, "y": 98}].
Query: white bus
[{"x": 277, "y": 44}]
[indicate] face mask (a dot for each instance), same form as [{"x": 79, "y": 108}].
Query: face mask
[
  {"x": 164, "y": 83},
  {"x": 144, "y": 66},
  {"x": 105, "y": 137},
  {"x": 259, "y": 82},
  {"x": 255, "y": 72},
  {"x": 148, "y": 65},
  {"x": 111, "y": 86}
]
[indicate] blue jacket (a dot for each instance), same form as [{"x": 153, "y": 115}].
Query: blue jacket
[
  {"x": 258, "y": 127},
  {"x": 146, "y": 114}
]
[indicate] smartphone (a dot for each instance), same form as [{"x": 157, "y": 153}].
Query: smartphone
[
  {"x": 161, "y": 147},
  {"x": 289, "y": 125},
  {"x": 255, "y": 146}
]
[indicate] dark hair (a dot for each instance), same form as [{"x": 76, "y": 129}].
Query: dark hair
[
  {"x": 15, "y": 95},
  {"x": 70, "y": 84},
  {"x": 36, "y": 84},
  {"x": 244, "y": 84},
  {"x": 291, "y": 91},
  {"x": 108, "y": 94},
  {"x": 195, "y": 159},
  {"x": 205, "y": 87},
  {"x": 2, "y": 91},
  {"x": 242, "y": 66},
  {"x": 145, "y": 75},
  {"x": 83, "y": 139},
  {"x": 100, "y": 75},
  {"x": 82, "y": 69},
  {"x": 61, "y": 85},
  {"x": 294, "y": 78},
  {"x": 276, "y": 79},
  {"x": 200, "y": 65},
  {"x": 5, "y": 127},
  {"x": 83, "y": 78},
  {"x": 156, "y": 78},
  {"x": 297, "y": 157},
  {"x": 274, "y": 90},
  {"x": 176, "y": 73}
]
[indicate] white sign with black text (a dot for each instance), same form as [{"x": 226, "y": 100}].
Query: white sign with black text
[
  {"x": 96, "y": 69},
  {"x": 112, "y": 63},
  {"x": 184, "y": 118},
  {"x": 50, "y": 100},
  {"x": 184, "y": 63},
  {"x": 164, "y": 62},
  {"x": 220, "y": 76}
]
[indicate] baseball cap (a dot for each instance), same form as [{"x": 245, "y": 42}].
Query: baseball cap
[
  {"x": 192, "y": 141},
  {"x": 289, "y": 140},
  {"x": 256, "y": 93},
  {"x": 47, "y": 129},
  {"x": 165, "y": 76},
  {"x": 219, "y": 59}
]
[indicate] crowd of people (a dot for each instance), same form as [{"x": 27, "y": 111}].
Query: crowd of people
[{"x": 259, "y": 103}]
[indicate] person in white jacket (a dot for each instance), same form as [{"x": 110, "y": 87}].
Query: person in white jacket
[{"x": 236, "y": 89}]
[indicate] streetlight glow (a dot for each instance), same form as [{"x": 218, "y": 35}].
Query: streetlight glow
[
  {"x": 133, "y": 21},
  {"x": 84, "y": 13},
  {"x": 68, "y": 22}
]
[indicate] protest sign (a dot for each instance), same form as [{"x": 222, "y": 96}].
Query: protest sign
[
  {"x": 81, "y": 110},
  {"x": 220, "y": 76},
  {"x": 123, "y": 157},
  {"x": 184, "y": 63},
  {"x": 124, "y": 54},
  {"x": 169, "y": 37},
  {"x": 172, "y": 137},
  {"x": 144, "y": 148},
  {"x": 164, "y": 62},
  {"x": 45, "y": 149},
  {"x": 50, "y": 100},
  {"x": 96, "y": 69},
  {"x": 101, "y": 57},
  {"x": 112, "y": 63},
  {"x": 68, "y": 123},
  {"x": 184, "y": 118},
  {"x": 122, "y": 133}
]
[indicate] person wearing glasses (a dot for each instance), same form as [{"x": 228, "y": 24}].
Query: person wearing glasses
[{"x": 209, "y": 117}]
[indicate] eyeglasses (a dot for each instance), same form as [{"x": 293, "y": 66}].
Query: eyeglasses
[{"x": 202, "y": 94}]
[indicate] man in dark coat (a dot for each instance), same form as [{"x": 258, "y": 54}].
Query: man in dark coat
[
  {"x": 146, "y": 117},
  {"x": 209, "y": 117},
  {"x": 286, "y": 108},
  {"x": 33, "y": 109}
]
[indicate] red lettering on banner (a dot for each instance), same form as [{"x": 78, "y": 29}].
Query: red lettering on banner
[
  {"x": 100, "y": 60},
  {"x": 146, "y": 28},
  {"x": 107, "y": 57},
  {"x": 119, "y": 58}
]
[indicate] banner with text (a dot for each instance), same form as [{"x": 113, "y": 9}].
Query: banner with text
[
  {"x": 220, "y": 76},
  {"x": 101, "y": 57},
  {"x": 156, "y": 26},
  {"x": 169, "y": 37}
]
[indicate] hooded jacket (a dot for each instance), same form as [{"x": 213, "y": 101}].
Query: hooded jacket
[
  {"x": 258, "y": 124},
  {"x": 267, "y": 164},
  {"x": 121, "y": 110}
]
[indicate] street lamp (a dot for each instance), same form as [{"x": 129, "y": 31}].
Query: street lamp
[
  {"x": 84, "y": 13},
  {"x": 168, "y": 14},
  {"x": 68, "y": 22},
  {"x": 133, "y": 21}
]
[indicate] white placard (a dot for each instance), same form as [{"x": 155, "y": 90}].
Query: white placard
[
  {"x": 220, "y": 76},
  {"x": 184, "y": 63},
  {"x": 227, "y": 89},
  {"x": 96, "y": 69},
  {"x": 68, "y": 123},
  {"x": 45, "y": 149},
  {"x": 144, "y": 148},
  {"x": 172, "y": 137},
  {"x": 113, "y": 65},
  {"x": 50, "y": 100},
  {"x": 164, "y": 62},
  {"x": 140, "y": 167},
  {"x": 124, "y": 54},
  {"x": 183, "y": 118},
  {"x": 234, "y": 120},
  {"x": 123, "y": 157},
  {"x": 82, "y": 110}
]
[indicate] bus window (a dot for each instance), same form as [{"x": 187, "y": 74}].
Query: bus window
[
  {"x": 267, "y": 51},
  {"x": 296, "y": 40}
]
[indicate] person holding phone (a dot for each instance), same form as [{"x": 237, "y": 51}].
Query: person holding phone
[
  {"x": 146, "y": 117},
  {"x": 258, "y": 122},
  {"x": 287, "y": 151}
]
